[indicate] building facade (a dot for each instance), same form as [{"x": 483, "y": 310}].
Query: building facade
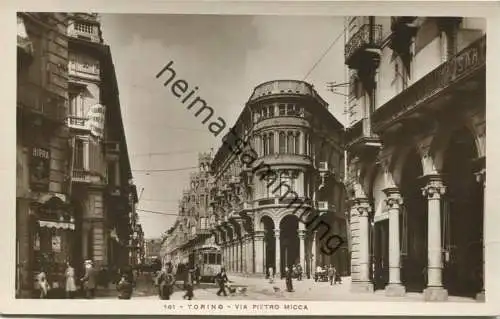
[
  {"x": 191, "y": 229},
  {"x": 45, "y": 221},
  {"x": 75, "y": 199},
  {"x": 416, "y": 154},
  {"x": 282, "y": 202}
]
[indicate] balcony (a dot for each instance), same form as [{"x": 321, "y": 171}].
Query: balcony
[
  {"x": 81, "y": 176},
  {"x": 323, "y": 167},
  {"x": 464, "y": 72},
  {"x": 363, "y": 48},
  {"x": 76, "y": 122},
  {"x": 88, "y": 31},
  {"x": 37, "y": 100},
  {"x": 359, "y": 137}
]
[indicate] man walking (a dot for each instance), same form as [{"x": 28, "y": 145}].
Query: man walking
[
  {"x": 89, "y": 280},
  {"x": 188, "y": 284},
  {"x": 331, "y": 274},
  {"x": 221, "y": 280},
  {"x": 288, "y": 278}
]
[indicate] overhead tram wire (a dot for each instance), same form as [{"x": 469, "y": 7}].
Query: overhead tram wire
[
  {"x": 164, "y": 170},
  {"x": 326, "y": 52},
  {"x": 156, "y": 212}
]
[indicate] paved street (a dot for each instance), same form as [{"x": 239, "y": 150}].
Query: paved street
[{"x": 260, "y": 289}]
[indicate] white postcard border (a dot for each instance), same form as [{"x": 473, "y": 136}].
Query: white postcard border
[{"x": 8, "y": 161}]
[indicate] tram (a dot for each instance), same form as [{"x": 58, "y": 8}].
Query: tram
[{"x": 209, "y": 260}]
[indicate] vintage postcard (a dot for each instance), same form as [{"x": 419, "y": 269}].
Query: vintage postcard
[{"x": 251, "y": 158}]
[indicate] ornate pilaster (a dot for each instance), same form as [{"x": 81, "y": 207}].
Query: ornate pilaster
[
  {"x": 433, "y": 192},
  {"x": 302, "y": 236},
  {"x": 259, "y": 252},
  {"x": 278, "y": 252},
  {"x": 361, "y": 282},
  {"x": 394, "y": 202}
]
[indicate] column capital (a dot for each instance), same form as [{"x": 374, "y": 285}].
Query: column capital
[
  {"x": 301, "y": 233},
  {"x": 394, "y": 199},
  {"x": 362, "y": 206},
  {"x": 434, "y": 188},
  {"x": 276, "y": 232},
  {"x": 259, "y": 235}
]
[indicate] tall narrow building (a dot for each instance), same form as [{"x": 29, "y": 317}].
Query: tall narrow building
[
  {"x": 416, "y": 154},
  {"x": 45, "y": 221}
]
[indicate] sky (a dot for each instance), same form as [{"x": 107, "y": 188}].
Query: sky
[{"x": 225, "y": 56}]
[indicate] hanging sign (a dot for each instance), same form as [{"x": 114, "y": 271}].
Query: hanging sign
[
  {"x": 96, "y": 116},
  {"x": 39, "y": 168}
]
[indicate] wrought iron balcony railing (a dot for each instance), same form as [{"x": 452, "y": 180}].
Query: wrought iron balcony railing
[
  {"x": 77, "y": 122},
  {"x": 368, "y": 36},
  {"x": 461, "y": 66}
]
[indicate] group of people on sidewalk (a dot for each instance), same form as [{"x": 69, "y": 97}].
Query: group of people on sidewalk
[{"x": 166, "y": 281}]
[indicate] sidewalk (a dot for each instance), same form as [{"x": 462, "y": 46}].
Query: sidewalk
[{"x": 310, "y": 290}]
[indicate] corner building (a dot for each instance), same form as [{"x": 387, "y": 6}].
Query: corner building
[
  {"x": 416, "y": 154},
  {"x": 287, "y": 126}
]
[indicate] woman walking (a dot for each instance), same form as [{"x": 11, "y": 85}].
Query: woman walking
[
  {"x": 43, "y": 285},
  {"x": 70, "y": 281}
]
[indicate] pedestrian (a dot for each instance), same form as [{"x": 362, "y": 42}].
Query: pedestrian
[
  {"x": 89, "y": 280},
  {"x": 197, "y": 274},
  {"x": 271, "y": 274},
  {"x": 294, "y": 271},
  {"x": 42, "y": 285},
  {"x": 299, "y": 270},
  {"x": 124, "y": 287},
  {"x": 165, "y": 282},
  {"x": 331, "y": 274},
  {"x": 338, "y": 279},
  {"x": 288, "y": 278},
  {"x": 188, "y": 284},
  {"x": 70, "y": 281},
  {"x": 221, "y": 280}
]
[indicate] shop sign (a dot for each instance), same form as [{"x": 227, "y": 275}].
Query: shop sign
[
  {"x": 56, "y": 244},
  {"x": 96, "y": 116},
  {"x": 40, "y": 168}
]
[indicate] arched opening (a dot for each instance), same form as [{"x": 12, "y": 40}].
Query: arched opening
[
  {"x": 289, "y": 242},
  {"x": 462, "y": 218},
  {"x": 413, "y": 225},
  {"x": 379, "y": 232},
  {"x": 269, "y": 244}
]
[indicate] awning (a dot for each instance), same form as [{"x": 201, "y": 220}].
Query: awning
[
  {"x": 57, "y": 225},
  {"x": 23, "y": 40}
]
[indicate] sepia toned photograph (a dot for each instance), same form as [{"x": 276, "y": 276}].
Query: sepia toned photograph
[{"x": 217, "y": 158}]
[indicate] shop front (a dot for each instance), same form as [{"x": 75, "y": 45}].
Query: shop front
[{"x": 53, "y": 232}]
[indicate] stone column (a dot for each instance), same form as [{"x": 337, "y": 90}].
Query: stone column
[
  {"x": 238, "y": 253},
  {"x": 233, "y": 255},
  {"x": 259, "y": 252},
  {"x": 394, "y": 201},
  {"x": 278, "y": 252},
  {"x": 302, "y": 248},
  {"x": 433, "y": 191},
  {"x": 481, "y": 178},
  {"x": 361, "y": 282},
  {"x": 313, "y": 253}
]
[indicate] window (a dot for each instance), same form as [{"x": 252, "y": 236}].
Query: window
[
  {"x": 282, "y": 142},
  {"x": 218, "y": 259},
  {"x": 211, "y": 258},
  {"x": 111, "y": 173},
  {"x": 265, "y": 140},
  {"x": 290, "y": 144},
  {"x": 290, "y": 109},
  {"x": 271, "y": 110},
  {"x": 297, "y": 143},
  {"x": 79, "y": 153},
  {"x": 271, "y": 143},
  {"x": 264, "y": 112},
  {"x": 83, "y": 27},
  {"x": 282, "y": 109}
]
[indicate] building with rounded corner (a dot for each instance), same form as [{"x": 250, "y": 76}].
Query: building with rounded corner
[{"x": 277, "y": 195}]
